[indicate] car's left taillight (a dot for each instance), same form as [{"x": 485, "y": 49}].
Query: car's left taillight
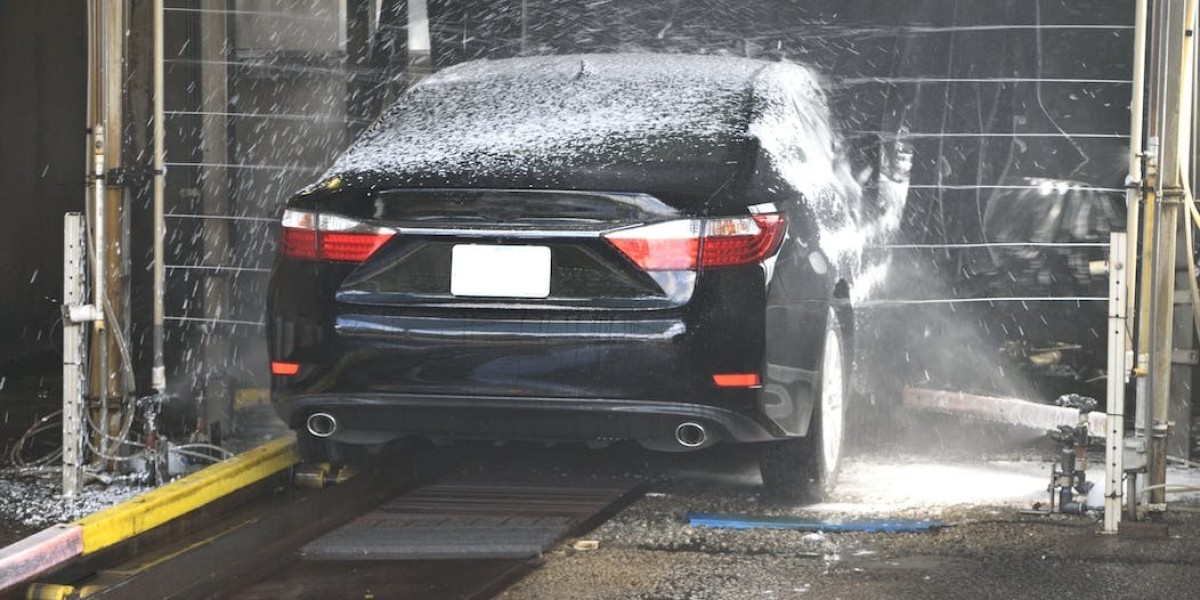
[{"x": 311, "y": 235}]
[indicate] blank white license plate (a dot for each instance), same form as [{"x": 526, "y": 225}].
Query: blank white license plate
[{"x": 500, "y": 271}]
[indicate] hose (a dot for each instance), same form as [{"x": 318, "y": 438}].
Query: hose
[
  {"x": 39, "y": 425},
  {"x": 199, "y": 455},
  {"x": 108, "y": 457},
  {"x": 1170, "y": 488},
  {"x": 1184, "y": 461},
  {"x": 225, "y": 453},
  {"x": 122, "y": 439}
]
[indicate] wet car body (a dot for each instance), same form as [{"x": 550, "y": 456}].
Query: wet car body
[{"x": 603, "y": 155}]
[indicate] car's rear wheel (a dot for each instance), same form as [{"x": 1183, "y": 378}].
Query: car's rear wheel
[{"x": 806, "y": 468}]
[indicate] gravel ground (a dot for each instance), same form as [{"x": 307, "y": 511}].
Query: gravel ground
[
  {"x": 647, "y": 552},
  {"x": 31, "y": 502},
  {"x": 30, "y": 499},
  {"x": 992, "y": 550}
]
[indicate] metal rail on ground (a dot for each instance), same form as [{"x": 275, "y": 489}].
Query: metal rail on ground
[
  {"x": 58, "y": 546},
  {"x": 394, "y": 531}
]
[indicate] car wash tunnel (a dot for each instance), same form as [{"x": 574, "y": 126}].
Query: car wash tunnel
[{"x": 599, "y": 299}]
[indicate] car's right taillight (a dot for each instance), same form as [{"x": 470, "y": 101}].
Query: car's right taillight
[
  {"x": 689, "y": 244},
  {"x": 320, "y": 236}
]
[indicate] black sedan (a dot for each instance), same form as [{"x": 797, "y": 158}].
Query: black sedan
[{"x": 581, "y": 248}]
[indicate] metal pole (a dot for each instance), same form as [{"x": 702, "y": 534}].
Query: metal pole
[
  {"x": 1173, "y": 48},
  {"x": 158, "y": 375},
  {"x": 111, "y": 225},
  {"x": 1136, "y": 251},
  {"x": 1137, "y": 112},
  {"x": 99, "y": 142},
  {"x": 217, "y": 191},
  {"x": 74, "y": 276},
  {"x": 1118, "y": 270},
  {"x": 98, "y": 237},
  {"x": 1179, "y": 414},
  {"x": 100, "y": 371},
  {"x": 1147, "y": 166}
]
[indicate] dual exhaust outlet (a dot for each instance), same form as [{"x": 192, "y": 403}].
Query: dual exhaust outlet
[
  {"x": 688, "y": 434},
  {"x": 321, "y": 425},
  {"x": 691, "y": 435}
]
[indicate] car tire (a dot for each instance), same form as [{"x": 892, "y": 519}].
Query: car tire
[{"x": 805, "y": 469}]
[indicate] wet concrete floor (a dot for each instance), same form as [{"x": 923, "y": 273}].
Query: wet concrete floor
[{"x": 992, "y": 550}]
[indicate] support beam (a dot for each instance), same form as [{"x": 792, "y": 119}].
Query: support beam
[
  {"x": 108, "y": 223},
  {"x": 1114, "y": 449},
  {"x": 216, "y": 190},
  {"x": 1170, "y": 123},
  {"x": 158, "y": 374},
  {"x": 74, "y": 375}
]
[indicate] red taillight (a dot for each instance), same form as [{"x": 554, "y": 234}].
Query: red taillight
[
  {"x": 284, "y": 368},
  {"x": 298, "y": 243},
  {"x": 661, "y": 246},
  {"x": 310, "y": 236},
  {"x": 737, "y": 380},
  {"x": 737, "y": 246},
  {"x": 350, "y": 247},
  {"x": 684, "y": 245}
]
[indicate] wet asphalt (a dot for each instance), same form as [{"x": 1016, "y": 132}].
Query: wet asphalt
[{"x": 987, "y": 551}]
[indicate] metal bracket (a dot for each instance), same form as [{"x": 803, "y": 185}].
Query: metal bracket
[
  {"x": 1171, "y": 195},
  {"x": 82, "y": 313},
  {"x": 1185, "y": 357}
]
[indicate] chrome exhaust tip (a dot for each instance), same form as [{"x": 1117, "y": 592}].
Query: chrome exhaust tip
[
  {"x": 691, "y": 435},
  {"x": 321, "y": 424}
]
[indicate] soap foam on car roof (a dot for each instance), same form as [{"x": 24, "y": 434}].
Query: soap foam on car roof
[{"x": 497, "y": 115}]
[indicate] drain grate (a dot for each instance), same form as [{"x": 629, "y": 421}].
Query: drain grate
[{"x": 465, "y": 521}]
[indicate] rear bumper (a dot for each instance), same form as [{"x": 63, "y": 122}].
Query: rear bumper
[
  {"x": 379, "y": 417},
  {"x": 501, "y": 371}
]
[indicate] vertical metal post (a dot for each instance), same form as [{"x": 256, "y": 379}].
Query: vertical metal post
[
  {"x": 74, "y": 276},
  {"x": 116, "y": 258},
  {"x": 1137, "y": 116},
  {"x": 1118, "y": 270},
  {"x": 1179, "y": 412},
  {"x": 107, "y": 211},
  {"x": 1134, "y": 342},
  {"x": 215, "y": 46},
  {"x": 99, "y": 371},
  {"x": 1173, "y": 48},
  {"x": 98, "y": 230},
  {"x": 158, "y": 374}
]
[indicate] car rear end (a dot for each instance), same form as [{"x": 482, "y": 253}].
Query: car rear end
[{"x": 522, "y": 314}]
